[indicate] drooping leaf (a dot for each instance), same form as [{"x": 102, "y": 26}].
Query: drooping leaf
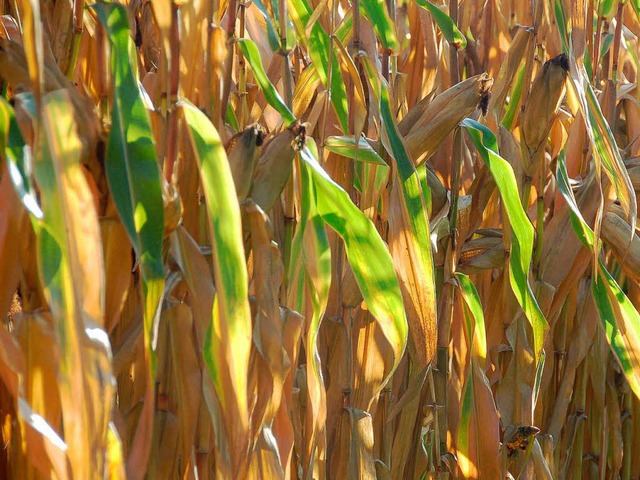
[
  {"x": 376, "y": 11},
  {"x": 348, "y": 147},
  {"x": 250, "y": 52},
  {"x": 131, "y": 161},
  {"x": 377, "y": 280},
  {"x": 228, "y": 339},
  {"x": 606, "y": 154},
  {"x": 409, "y": 226},
  {"x": 620, "y": 319},
  {"x": 446, "y": 24},
  {"x": 522, "y": 231},
  {"x": 318, "y": 44}
]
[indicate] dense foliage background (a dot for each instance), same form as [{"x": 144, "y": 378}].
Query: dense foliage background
[{"x": 320, "y": 239}]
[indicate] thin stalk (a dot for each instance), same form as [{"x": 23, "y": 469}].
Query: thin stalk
[
  {"x": 453, "y": 49},
  {"x": 228, "y": 63},
  {"x": 616, "y": 42},
  {"x": 447, "y": 309},
  {"x": 596, "y": 50},
  {"x": 102, "y": 83},
  {"x": 356, "y": 27},
  {"x": 627, "y": 436},
  {"x": 172, "y": 97},
  {"x": 286, "y": 66},
  {"x": 211, "y": 94},
  {"x": 580, "y": 392},
  {"x": 327, "y": 99},
  {"x": 433, "y": 391},
  {"x": 289, "y": 191},
  {"x": 540, "y": 221},
  {"x": 444, "y": 324},
  {"x": 78, "y": 11},
  {"x": 348, "y": 324},
  {"x": 242, "y": 72}
]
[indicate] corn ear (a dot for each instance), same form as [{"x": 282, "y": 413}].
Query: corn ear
[
  {"x": 543, "y": 102},
  {"x": 242, "y": 153},
  {"x": 439, "y": 196},
  {"x": 275, "y": 164},
  {"x": 509, "y": 68},
  {"x": 443, "y": 114},
  {"x": 484, "y": 253}
]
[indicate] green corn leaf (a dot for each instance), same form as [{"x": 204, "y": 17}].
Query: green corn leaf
[
  {"x": 228, "y": 340},
  {"x": 348, "y": 147},
  {"x": 606, "y": 153},
  {"x": 310, "y": 279},
  {"x": 475, "y": 330},
  {"x": 376, "y": 11},
  {"x": 132, "y": 166},
  {"x": 445, "y": 23},
  {"x": 376, "y": 280},
  {"x": 272, "y": 35},
  {"x": 522, "y": 230},
  {"x": 412, "y": 218},
  {"x": 71, "y": 271},
  {"x": 636, "y": 7},
  {"x": 619, "y": 317},
  {"x": 251, "y": 54},
  {"x": 561, "y": 22},
  {"x": 607, "y": 8},
  {"x": 318, "y": 44},
  {"x": 19, "y": 159}
]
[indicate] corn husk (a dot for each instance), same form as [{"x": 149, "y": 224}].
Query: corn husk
[{"x": 275, "y": 165}]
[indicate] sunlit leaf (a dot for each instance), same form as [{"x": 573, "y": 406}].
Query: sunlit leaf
[
  {"x": 376, "y": 11},
  {"x": 228, "y": 339},
  {"x": 250, "y": 52},
  {"x": 522, "y": 231},
  {"x": 620, "y": 319},
  {"x": 446, "y": 24},
  {"x": 348, "y": 147}
]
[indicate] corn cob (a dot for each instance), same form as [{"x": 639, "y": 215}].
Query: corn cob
[
  {"x": 242, "y": 153},
  {"x": 542, "y": 105},
  {"x": 443, "y": 114},
  {"x": 275, "y": 164}
]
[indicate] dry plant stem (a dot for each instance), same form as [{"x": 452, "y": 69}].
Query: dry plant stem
[
  {"x": 449, "y": 289},
  {"x": 561, "y": 347},
  {"x": 453, "y": 49},
  {"x": 387, "y": 438},
  {"x": 575, "y": 450},
  {"x": 539, "y": 221},
  {"x": 286, "y": 66},
  {"x": 228, "y": 63},
  {"x": 211, "y": 94},
  {"x": 348, "y": 325},
  {"x": 356, "y": 29},
  {"x": 431, "y": 384},
  {"x": 595, "y": 60},
  {"x": 444, "y": 323},
  {"x": 289, "y": 191},
  {"x": 627, "y": 435},
  {"x": 172, "y": 97},
  {"x": 616, "y": 42},
  {"x": 589, "y": 30},
  {"x": 78, "y": 11},
  {"x": 242, "y": 72},
  {"x": 327, "y": 92}
]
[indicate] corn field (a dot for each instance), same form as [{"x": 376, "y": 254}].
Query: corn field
[{"x": 320, "y": 239}]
